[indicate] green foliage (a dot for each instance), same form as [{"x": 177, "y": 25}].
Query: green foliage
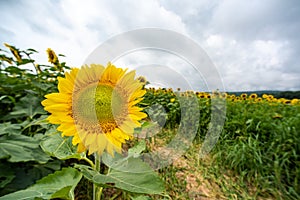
[
  {"x": 60, "y": 184},
  {"x": 129, "y": 173},
  {"x": 59, "y": 147},
  {"x": 259, "y": 144},
  {"x": 21, "y": 148},
  {"x": 23, "y": 119},
  {"x": 32, "y": 151}
]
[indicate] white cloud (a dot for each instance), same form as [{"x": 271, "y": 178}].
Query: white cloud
[
  {"x": 80, "y": 26},
  {"x": 254, "y": 44}
]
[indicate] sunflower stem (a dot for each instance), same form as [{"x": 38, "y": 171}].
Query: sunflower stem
[
  {"x": 88, "y": 161},
  {"x": 97, "y": 190}
]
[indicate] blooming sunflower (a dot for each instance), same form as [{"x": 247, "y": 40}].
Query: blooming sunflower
[
  {"x": 97, "y": 106},
  {"x": 243, "y": 96},
  {"x": 52, "y": 57},
  {"x": 253, "y": 96}
]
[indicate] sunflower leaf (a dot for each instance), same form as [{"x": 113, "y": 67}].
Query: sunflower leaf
[
  {"x": 136, "y": 150},
  {"x": 141, "y": 198},
  {"x": 57, "y": 146},
  {"x": 21, "y": 148},
  {"x": 8, "y": 127},
  {"x": 6, "y": 176},
  {"x": 28, "y": 106},
  {"x": 130, "y": 174},
  {"x": 60, "y": 184}
]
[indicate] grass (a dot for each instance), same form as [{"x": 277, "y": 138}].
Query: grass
[{"x": 256, "y": 157}]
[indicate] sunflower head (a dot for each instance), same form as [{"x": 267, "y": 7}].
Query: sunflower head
[
  {"x": 294, "y": 101},
  {"x": 142, "y": 80},
  {"x": 15, "y": 52},
  {"x": 97, "y": 106},
  {"x": 52, "y": 57},
  {"x": 253, "y": 96},
  {"x": 244, "y": 95},
  {"x": 259, "y": 99}
]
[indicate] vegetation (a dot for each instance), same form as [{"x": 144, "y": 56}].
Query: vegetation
[{"x": 257, "y": 155}]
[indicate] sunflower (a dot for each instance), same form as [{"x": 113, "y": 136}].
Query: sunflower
[
  {"x": 243, "y": 96},
  {"x": 52, "y": 57},
  {"x": 15, "y": 52},
  {"x": 259, "y": 99},
  {"x": 294, "y": 101},
  {"x": 97, "y": 106},
  {"x": 208, "y": 96},
  {"x": 253, "y": 96}
]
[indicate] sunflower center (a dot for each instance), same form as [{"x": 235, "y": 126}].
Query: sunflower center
[
  {"x": 108, "y": 103},
  {"x": 98, "y": 104}
]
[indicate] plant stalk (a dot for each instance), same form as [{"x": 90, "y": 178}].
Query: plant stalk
[{"x": 97, "y": 190}]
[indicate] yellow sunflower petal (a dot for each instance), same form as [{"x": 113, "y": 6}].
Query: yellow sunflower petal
[
  {"x": 65, "y": 85},
  {"x": 110, "y": 149},
  {"x": 58, "y": 108},
  {"x": 132, "y": 103},
  {"x": 76, "y": 139},
  {"x": 90, "y": 138},
  {"x": 69, "y": 131},
  {"x": 54, "y": 120},
  {"x": 113, "y": 140},
  {"x": 101, "y": 143},
  {"x": 137, "y": 94},
  {"x": 127, "y": 78},
  {"x": 58, "y": 97},
  {"x": 81, "y": 148}
]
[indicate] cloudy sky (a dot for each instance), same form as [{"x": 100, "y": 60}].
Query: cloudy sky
[{"x": 254, "y": 45}]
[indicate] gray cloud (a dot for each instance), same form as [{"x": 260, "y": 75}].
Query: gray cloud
[
  {"x": 248, "y": 39},
  {"x": 254, "y": 44}
]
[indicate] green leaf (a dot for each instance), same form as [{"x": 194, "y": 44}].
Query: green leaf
[
  {"x": 60, "y": 184},
  {"x": 137, "y": 149},
  {"x": 21, "y": 148},
  {"x": 129, "y": 173},
  {"x": 62, "y": 148},
  {"x": 14, "y": 70},
  {"x": 25, "y": 61},
  {"x": 41, "y": 122},
  {"x": 141, "y": 198},
  {"x": 25, "y": 174},
  {"x": 28, "y": 106},
  {"x": 31, "y": 50},
  {"x": 7, "y": 127},
  {"x": 6, "y": 176}
]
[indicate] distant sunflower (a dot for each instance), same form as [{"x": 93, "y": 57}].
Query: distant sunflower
[
  {"x": 253, "y": 96},
  {"x": 232, "y": 96},
  {"x": 207, "y": 96},
  {"x": 259, "y": 99},
  {"x": 97, "y": 106},
  {"x": 15, "y": 52},
  {"x": 244, "y": 96},
  {"x": 295, "y": 101},
  {"x": 52, "y": 57}
]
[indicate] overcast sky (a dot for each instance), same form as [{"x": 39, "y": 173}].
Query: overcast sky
[{"x": 254, "y": 45}]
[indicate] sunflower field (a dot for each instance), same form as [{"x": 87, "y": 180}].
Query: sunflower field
[{"x": 256, "y": 155}]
